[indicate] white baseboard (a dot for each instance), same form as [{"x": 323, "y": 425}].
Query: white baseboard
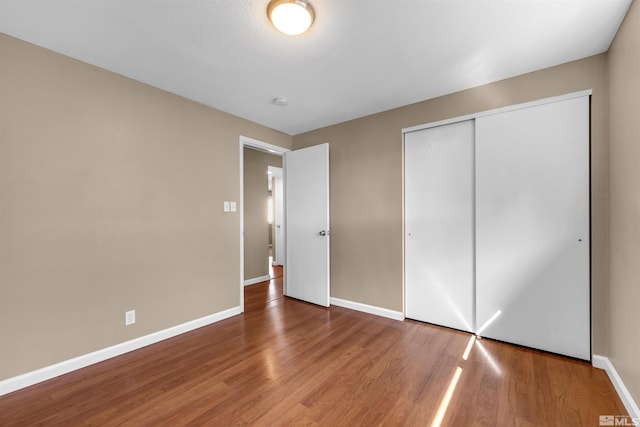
[
  {"x": 604, "y": 363},
  {"x": 30, "y": 378},
  {"x": 256, "y": 280},
  {"x": 378, "y": 311}
]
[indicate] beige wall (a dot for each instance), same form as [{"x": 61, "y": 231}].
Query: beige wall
[
  {"x": 624, "y": 226},
  {"x": 366, "y": 182},
  {"x": 256, "y": 226},
  {"x": 111, "y": 197}
]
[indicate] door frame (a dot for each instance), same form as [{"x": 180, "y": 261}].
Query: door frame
[{"x": 247, "y": 142}]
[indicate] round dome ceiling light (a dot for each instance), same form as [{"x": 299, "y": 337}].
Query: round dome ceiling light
[{"x": 291, "y": 17}]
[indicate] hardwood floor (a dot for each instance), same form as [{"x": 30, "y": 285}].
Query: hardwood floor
[{"x": 285, "y": 362}]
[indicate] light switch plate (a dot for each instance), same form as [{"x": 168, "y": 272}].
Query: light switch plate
[
  {"x": 226, "y": 206},
  {"x": 130, "y": 317},
  {"x": 233, "y": 206}
]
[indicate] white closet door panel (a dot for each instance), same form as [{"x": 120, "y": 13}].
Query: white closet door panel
[
  {"x": 439, "y": 225},
  {"x": 532, "y": 227}
]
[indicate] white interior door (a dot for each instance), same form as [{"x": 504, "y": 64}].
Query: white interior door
[
  {"x": 278, "y": 193},
  {"x": 532, "y": 213},
  {"x": 306, "y": 182},
  {"x": 439, "y": 224}
]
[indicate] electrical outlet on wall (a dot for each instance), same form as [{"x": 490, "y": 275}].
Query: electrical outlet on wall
[{"x": 130, "y": 317}]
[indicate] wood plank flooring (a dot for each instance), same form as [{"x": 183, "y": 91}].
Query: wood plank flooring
[{"x": 285, "y": 362}]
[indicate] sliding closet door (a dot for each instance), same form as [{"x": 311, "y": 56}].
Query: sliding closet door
[
  {"x": 439, "y": 225},
  {"x": 532, "y": 227}
]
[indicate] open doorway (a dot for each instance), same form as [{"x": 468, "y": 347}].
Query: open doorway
[
  {"x": 306, "y": 221},
  {"x": 259, "y": 233},
  {"x": 261, "y": 194}
]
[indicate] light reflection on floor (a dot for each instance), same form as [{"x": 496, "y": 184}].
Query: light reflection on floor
[{"x": 446, "y": 398}]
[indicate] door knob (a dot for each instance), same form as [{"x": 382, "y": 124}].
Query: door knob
[{"x": 323, "y": 233}]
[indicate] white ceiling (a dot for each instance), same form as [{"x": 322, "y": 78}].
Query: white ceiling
[{"x": 360, "y": 56}]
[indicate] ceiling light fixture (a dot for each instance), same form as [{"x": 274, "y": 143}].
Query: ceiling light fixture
[{"x": 291, "y": 17}]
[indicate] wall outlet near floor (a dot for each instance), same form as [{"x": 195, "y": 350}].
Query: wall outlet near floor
[{"x": 130, "y": 317}]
